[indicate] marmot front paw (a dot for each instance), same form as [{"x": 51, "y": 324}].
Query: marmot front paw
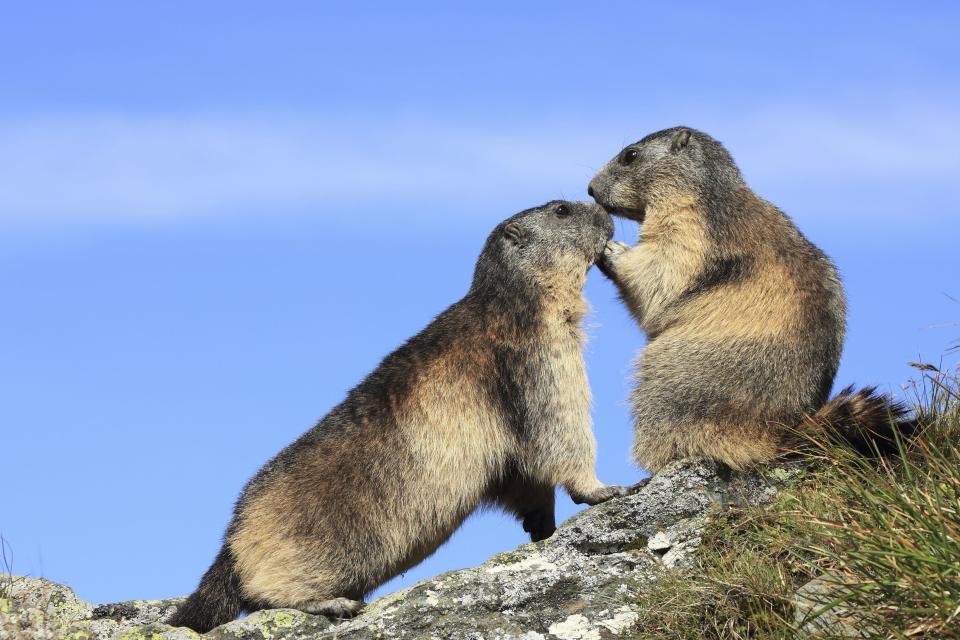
[{"x": 611, "y": 253}]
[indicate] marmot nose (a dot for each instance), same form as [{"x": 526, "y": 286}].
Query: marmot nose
[{"x": 590, "y": 191}]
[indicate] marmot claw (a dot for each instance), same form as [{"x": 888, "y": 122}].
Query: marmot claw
[{"x": 611, "y": 253}]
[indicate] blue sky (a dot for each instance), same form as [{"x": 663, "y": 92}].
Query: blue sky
[{"x": 215, "y": 219}]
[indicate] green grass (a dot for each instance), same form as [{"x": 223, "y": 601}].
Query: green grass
[{"x": 884, "y": 538}]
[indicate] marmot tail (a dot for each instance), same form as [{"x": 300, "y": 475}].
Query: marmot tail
[
  {"x": 870, "y": 422},
  {"x": 216, "y": 601}
]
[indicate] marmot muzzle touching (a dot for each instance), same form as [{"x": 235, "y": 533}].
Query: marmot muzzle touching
[
  {"x": 487, "y": 405},
  {"x": 744, "y": 316}
]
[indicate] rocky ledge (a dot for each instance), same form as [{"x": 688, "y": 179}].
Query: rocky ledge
[{"x": 583, "y": 583}]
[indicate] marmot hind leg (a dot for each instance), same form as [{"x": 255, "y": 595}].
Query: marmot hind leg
[
  {"x": 692, "y": 419},
  {"x": 334, "y": 608},
  {"x": 739, "y": 445}
]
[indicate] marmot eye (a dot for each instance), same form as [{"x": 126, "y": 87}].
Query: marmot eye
[
  {"x": 628, "y": 156},
  {"x": 562, "y": 211}
]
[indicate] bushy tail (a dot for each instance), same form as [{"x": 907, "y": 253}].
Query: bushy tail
[
  {"x": 870, "y": 422},
  {"x": 217, "y": 600}
]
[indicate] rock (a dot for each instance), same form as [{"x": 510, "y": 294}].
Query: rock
[
  {"x": 675, "y": 545},
  {"x": 585, "y": 580},
  {"x": 275, "y": 624},
  {"x": 583, "y": 583},
  {"x": 39, "y": 609},
  {"x": 819, "y": 610},
  {"x": 660, "y": 543},
  {"x": 57, "y": 600},
  {"x": 136, "y": 612}
]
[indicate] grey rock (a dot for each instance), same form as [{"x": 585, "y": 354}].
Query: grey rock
[
  {"x": 660, "y": 543},
  {"x": 275, "y": 624},
  {"x": 39, "y": 609},
  {"x": 136, "y": 612},
  {"x": 676, "y": 545},
  {"x": 583, "y": 583},
  {"x": 819, "y": 610},
  {"x": 585, "y": 580},
  {"x": 57, "y": 600}
]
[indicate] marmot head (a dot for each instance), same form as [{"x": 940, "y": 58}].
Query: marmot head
[
  {"x": 553, "y": 244},
  {"x": 670, "y": 164}
]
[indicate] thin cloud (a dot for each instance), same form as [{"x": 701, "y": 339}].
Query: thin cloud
[
  {"x": 789, "y": 145},
  {"x": 80, "y": 168}
]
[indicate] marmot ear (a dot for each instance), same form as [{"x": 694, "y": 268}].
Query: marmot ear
[
  {"x": 514, "y": 233},
  {"x": 680, "y": 139}
]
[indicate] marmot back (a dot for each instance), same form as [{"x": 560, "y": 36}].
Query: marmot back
[
  {"x": 745, "y": 317},
  {"x": 487, "y": 405}
]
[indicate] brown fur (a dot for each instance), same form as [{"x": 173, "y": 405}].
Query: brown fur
[
  {"x": 745, "y": 317},
  {"x": 488, "y": 405}
]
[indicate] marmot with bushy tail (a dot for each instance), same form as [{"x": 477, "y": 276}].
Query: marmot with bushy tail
[
  {"x": 487, "y": 405},
  {"x": 745, "y": 317}
]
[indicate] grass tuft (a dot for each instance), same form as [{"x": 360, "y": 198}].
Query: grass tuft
[{"x": 881, "y": 537}]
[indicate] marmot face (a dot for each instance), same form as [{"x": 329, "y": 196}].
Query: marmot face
[
  {"x": 664, "y": 166},
  {"x": 560, "y": 239}
]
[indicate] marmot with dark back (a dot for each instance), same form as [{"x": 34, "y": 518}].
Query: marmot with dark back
[
  {"x": 745, "y": 317},
  {"x": 487, "y": 405}
]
